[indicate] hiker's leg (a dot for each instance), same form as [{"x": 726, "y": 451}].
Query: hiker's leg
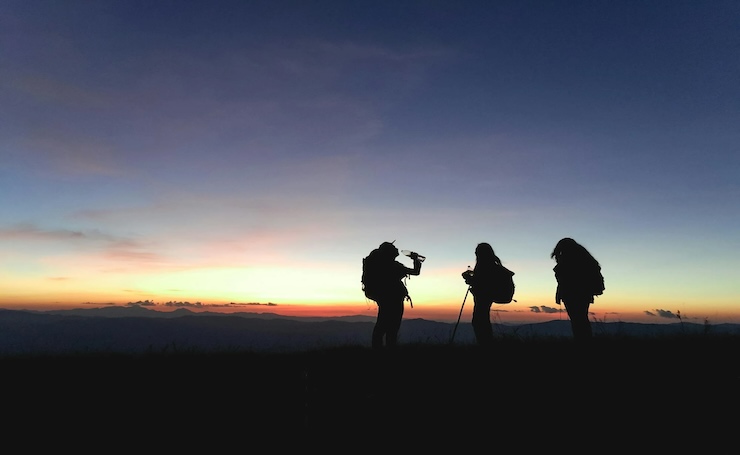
[
  {"x": 481, "y": 323},
  {"x": 381, "y": 327},
  {"x": 579, "y": 322},
  {"x": 377, "y": 340},
  {"x": 395, "y": 315}
]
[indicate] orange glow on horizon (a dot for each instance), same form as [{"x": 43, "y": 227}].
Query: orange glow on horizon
[{"x": 514, "y": 313}]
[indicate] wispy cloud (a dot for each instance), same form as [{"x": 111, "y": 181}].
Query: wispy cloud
[
  {"x": 111, "y": 248},
  {"x": 30, "y": 232},
  {"x": 544, "y": 309},
  {"x": 662, "y": 313}
]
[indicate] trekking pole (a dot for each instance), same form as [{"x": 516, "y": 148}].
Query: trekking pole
[{"x": 452, "y": 337}]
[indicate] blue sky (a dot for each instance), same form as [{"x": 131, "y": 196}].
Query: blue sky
[{"x": 255, "y": 151}]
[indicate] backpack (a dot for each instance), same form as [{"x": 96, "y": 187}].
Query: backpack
[
  {"x": 376, "y": 281},
  {"x": 371, "y": 276},
  {"x": 503, "y": 285},
  {"x": 598, "y": 283}
]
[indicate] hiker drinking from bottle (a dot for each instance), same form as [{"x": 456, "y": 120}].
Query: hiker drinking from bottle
[
  {"x": 383, "y": 282},
  {"x": 482, "y": 281},
  {"x": 579, "y": 279}
]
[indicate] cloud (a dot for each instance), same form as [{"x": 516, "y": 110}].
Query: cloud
[
  {"x": 251, "y": 304},
  {"x": 662, "y": 313},
  {"x": 130, "y": 251},
  {"x": 29, "y": 232},
  {"x": 142, "y": 303},
  {"x": 544, "y": 309},
  {"x": 121, "y": 251}
]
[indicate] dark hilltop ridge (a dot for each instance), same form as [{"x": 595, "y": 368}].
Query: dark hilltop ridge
[
  {"x": 218, "y": 382},
  {"x": 131, "y": 330}
]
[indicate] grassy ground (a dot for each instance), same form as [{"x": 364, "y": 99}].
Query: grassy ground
[{"x": 518, "y": 389}]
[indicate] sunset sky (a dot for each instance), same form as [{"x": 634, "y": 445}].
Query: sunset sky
[{"x": 227, "y": 153}]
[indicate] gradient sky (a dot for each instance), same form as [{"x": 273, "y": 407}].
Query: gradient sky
[{"x": 226, "y": 153}]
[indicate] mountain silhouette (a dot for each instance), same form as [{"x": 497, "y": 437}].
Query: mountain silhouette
[{"x": 140, "y": 330}]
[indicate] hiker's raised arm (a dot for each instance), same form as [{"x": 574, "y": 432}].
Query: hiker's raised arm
[{"x": 417, "y": 267}]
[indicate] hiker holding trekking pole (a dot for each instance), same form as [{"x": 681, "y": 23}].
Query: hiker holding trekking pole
[{"x": 489, "y": 282}]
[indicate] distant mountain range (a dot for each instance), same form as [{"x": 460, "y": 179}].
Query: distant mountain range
[{"x": 141, "y": 330}]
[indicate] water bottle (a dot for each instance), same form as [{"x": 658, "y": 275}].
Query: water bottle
[
  {"x": 410, "y": 254},
  {"x": 467, "y": 275}
]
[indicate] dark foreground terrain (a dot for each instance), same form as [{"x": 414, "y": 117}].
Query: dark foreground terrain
[{"x": 529, "y": 393}]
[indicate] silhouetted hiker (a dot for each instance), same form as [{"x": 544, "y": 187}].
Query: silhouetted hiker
[
  {"x": 482, "y": 281},
  {"x": 579, "y": 279},
  {"x": 382, "y": 280}
]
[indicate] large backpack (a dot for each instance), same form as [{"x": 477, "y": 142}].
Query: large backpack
[
  {"x": 372, "y": 280},
  {"x": 378, "y": 281},
  {"x": 503, "y": 285},
  {"x": 597, "y": 282}
]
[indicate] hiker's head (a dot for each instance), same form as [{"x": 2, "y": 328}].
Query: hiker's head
[
  {"x": 564, "y": 247},
  {"x": 388, "y": 249},
  {"x": 484, "y": 250},
  {"x": 484, "y": 253},
  {"x": 571, "y": 251}
]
